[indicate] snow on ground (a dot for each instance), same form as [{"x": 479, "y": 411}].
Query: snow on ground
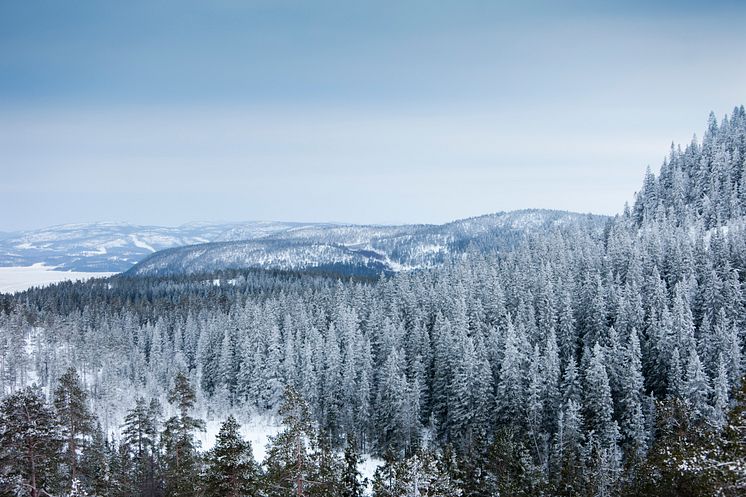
[
  {"x": 258, "y": 429},
  {"x": 18, "y": 279},
  {"x": 367, "y": 468},
  {"x": 140, "y": 243}
]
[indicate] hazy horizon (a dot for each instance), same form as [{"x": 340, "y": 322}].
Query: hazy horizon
[
  {"x": 288, "y": 221},
  {"x": 166, "y": 113}
]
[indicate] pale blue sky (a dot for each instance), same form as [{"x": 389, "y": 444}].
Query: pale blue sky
[{"x": 166, "y": 112}]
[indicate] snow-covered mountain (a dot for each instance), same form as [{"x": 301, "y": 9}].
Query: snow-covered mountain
[
  {"x": 117, "y": 247},
  {"x": 355, "y": 249}
]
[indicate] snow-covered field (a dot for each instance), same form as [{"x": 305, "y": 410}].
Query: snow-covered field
[{"x": 18, "y": 279}]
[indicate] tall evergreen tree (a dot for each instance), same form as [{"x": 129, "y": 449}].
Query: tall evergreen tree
[
  {"x": 140, "y": 434},
  {"x": 182, "y": 461},
  {"x": 291, "y": 460},
  {"x": 76, "y": 421},
  {"x": 351, "y": 484},
  {"x": 30, "y": 443},
  {"x": 230, "y": 470}
]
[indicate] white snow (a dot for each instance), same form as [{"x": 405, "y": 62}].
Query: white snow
[
  {"x": 256, "y": 430},
  {"x": 139, "y": 243},
  {"x": 18, "y": 279},
  {"x": 368, "y": 466}
]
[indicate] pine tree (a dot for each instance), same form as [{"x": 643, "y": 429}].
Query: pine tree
[
  {"x": 328, "y": 477},
  {"x": 94, "y": 463},
  {"x": 30, "y": 442},
  {"x": 535, "y": 407},
  {"x": 291, "y": 460},
  {"x": 602, "y": 453},
  {"x": 551, "y": 393},
  {"x": 571, "y": 387},
  {"x": 599, "y": 409},
  {"x": 140, "y": 432},
  {"x": 427, "y": 474},
  {"x": 675, "y": 376},
  {"x": 76, "y": 420},
  {"x": 182, "y": 461},
  {"x": 230, "y": 470},
  {"x": 121, "y": 471},
  {"x": 385, "y": 478},
  {"x": 567, "y": 453},
  {"x": 351, "y": 484}
]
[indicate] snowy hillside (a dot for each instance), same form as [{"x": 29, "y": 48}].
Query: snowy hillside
[
  {"x": 117, "y": 247},
  {"x": 353, "y": 249}
]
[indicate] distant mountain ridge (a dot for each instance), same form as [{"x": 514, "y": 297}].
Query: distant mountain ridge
[
  {"x": 115, "y": 247},
  {"x": 118, "y": 247},
  {"x": 355, "y": 249}
]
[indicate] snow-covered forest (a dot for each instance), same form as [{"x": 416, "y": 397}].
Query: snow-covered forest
[{"x": 592, "y": 360}]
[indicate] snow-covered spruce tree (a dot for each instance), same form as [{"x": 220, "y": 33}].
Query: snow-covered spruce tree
[
  {"x": 633, "y": 424},
  {"x": 721, "y": 396},
  {"x": 567, "y": 462},
  {"x": 697, "y": 389},
  {"x": 602, "y": 452},
  {"x": 390, "y": 402},
  {"x": 511, "y": 389},
  {"x": 423, "y": 474}
]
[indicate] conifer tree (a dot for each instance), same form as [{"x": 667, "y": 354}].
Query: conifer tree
[
  {"x": 76, "y": 421},
  {"x": 511, "y": 389},
  {"x": 182, "y": 461},
  {"x": 721, "y": 394},
  {"x": 291, "y": 460},
  {"x": 390, "y": 403},
  {"x": 568, "y": 461},
  {"x": 697, "y": 388},
  {"x": 94, "y": 463},
  {"x": 632, "y": 417},
  {"x": 140, "y": 433},
  {"x": 30, "y": 442},
  {"x": 230, "y": 470},
  {"x": 351, "y": 484}
]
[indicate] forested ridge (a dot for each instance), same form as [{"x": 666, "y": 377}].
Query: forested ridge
[{"x": 592, "y": 360}]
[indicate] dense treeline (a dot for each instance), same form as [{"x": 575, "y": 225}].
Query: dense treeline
[
  {"x": 59, "y": 448},
  {"x": 586, "y": 361}
]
